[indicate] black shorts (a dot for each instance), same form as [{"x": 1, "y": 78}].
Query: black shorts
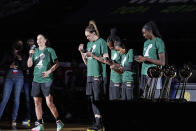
[
  {"x": 114, "y": 91},
  {"x": 94, "y": 88},
  {"x": 41, "y": 89},
  {"x": 127, "y": 91}
]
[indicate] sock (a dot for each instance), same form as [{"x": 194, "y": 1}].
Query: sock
[
  {"x": 13, "y": 120},
  {"x": 57, "y": 119},
  {"x": 40, "y": 121},
  {"x": 98, "y": 121}
]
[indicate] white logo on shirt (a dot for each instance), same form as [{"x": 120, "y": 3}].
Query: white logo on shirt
[
  {"x": 40, "y": 63},
  {"x": 123, "y": 62},
  {"x": 94, "y": 46},
  {"x": 147, "y": 50},
  {"x": 114, "y": 56}
]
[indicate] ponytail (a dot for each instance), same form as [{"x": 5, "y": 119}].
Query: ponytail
[{"x": 92, "y": 27}]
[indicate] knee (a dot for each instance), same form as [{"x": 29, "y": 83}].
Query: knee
[
  {"x": 37, "y": 103},
  {"x": 49, "y": 104}
]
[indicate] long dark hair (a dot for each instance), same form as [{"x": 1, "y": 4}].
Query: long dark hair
[
  {"x": 113, "y": 36},
  {"x": 92, "y": 27},
  {"x": 151, "y": 26}
]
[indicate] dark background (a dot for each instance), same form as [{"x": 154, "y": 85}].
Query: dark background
[{"x": 64, "y": 22}]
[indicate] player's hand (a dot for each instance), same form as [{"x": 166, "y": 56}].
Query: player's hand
[
  {"x": 112, "y": 67},
  {"x": 89, "y": 54},
  {"x": 140, "y": 59},
  {"x": 45, "y": 74},
  {"x": 81, "y": 47}
]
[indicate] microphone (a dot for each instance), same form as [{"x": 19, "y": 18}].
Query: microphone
[
  {"x": 32, "y": 48},
  {"x": 83, "y": 51}
]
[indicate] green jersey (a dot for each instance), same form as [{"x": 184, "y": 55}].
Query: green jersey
[
  {"x": 151, "y": 50},
  {"x": 114, "y": 76},
  {"x": 94, "y": 67},
  {"x": 43, "y": 60},
  {"x": 127, "y": 58},
  {"x": 104, "y": 72}
]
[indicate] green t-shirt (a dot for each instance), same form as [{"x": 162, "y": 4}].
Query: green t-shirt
[
  {"x": 43, "y": 60},
  {"x": 94, "y": 67},
  {"x": 127, "y": 76},
  {"x": 114, "y": 76},
  {"x": 104, "y": 72},
  {"x": 151, "y": 50}
]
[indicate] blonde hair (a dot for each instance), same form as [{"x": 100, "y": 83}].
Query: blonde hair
[{"x": 92, "y": 27}]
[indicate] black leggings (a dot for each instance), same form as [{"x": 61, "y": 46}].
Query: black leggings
[{"x": 94, "y": 107}]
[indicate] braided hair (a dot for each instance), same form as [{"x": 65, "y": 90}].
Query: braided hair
[
  {"x": 151, "y": 26},
  {"x": 113, "y": 37}
]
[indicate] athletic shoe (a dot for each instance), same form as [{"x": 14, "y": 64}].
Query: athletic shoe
[
  {"x": 39, "y": 127},
  {"x": 26, "y": 122},
  {"x": 60, "y": 125},
  {"x": 37, "y": 123},
  {"x": 13, "y": 123}
]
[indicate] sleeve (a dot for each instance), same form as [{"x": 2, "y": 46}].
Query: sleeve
[
  {"x": 88, "y": 46},
  {"x": 53, "y": 55},
  {"x": 104, "y": 48},
  {"x": 130, "y": 61},
  {"x": 160, "y": 46},
  {"x": 144, "y": 47},
  {"x": 130, "y": 53},
  {"x": 118, "y": 59}
]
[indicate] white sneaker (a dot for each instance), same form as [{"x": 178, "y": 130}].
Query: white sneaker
[{"x": 27, "y": 122}]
